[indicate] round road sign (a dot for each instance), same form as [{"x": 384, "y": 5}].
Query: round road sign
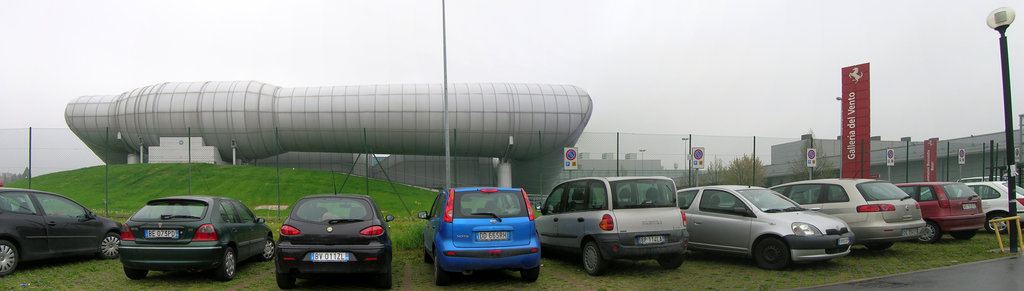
[
  {"x": 570, "y": 154},
  {"x": 890, "y": 154},
  {"x": 698, "y": 154},
  {"x": 961, "y": 153},
  {"x": 810, "y": 154}
]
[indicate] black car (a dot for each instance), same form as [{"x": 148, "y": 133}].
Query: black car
[
  {"x": 334, "y": 234},
  {"x": 193, "y": 233},
  {"x": 38, "y": 225}
]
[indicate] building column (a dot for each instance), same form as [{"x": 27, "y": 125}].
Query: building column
[
  {"x": 132, "y": 159},
  {"x": 504, "y": 174}
]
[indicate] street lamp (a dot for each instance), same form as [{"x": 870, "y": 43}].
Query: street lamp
[
  {"x": 642, "y": 159},
  {"x": 688, "y": 151},
  {"x": 1000, "y": 20}
]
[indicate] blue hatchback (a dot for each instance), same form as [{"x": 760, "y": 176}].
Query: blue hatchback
[{"x": 481, "y": 229}]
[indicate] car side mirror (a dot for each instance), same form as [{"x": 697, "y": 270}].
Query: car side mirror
[
  {"x": 422, "y": 215},
  {"x": 260, "y": 220},
  {"x": 816, "y": 209},
  {"x": 389, "y": 218},
  {"x": 742, "y": 211}
]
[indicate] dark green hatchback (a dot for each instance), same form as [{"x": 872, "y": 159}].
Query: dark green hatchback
[{"x": 193, "y": 233}]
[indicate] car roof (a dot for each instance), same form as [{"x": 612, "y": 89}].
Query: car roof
[
  {"x": 465, "y": 189},
  {"x": 207, "y": 199},
  {"x": 726, "y": 187},
  {"x": 623, "y": 178},
  {"x": 841, "y": 181},
  {"x": 926, "y": 183},
  {"x": 336, "y": 196}
]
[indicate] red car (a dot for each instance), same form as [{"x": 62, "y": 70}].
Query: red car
[{"x": 946, "y": 207}]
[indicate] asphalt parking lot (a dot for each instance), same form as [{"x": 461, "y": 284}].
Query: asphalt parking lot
[{"x": 994, "y": 274}]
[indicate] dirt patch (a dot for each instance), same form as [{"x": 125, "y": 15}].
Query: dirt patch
[{"x": 270, "y": 207}]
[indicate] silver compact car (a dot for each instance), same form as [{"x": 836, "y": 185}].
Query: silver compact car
[{"x": 761, "y": 223}]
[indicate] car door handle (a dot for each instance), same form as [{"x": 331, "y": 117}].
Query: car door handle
[
  {"x": 555, "y": 219},
  {"x": 52, "y": 223},
  {"x": 579, "y": 219}
]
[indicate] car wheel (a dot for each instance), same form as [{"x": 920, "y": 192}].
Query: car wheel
[
  {"x": 593, "y": 263},
  {"x": 771, "y": 253},
  {"x": 135, "y": 274},
  {"x": 226, "y": 270},
  {"x": 285, "y": 281},
  {"x": 427, "y": 258},
  {"x": 384, "y": 280},
  {"x": 1000, "y": 225},
  {"x": 963, "y": 234},
  {"x": 530, "y": 275},
  {"x": 268, "y": 250},
  {"x": 930, "y": 233},
  {"x": 879, "y": 246},
  {"x": 670, "y": 261},
  {"x": 108, "y": 246},
  {"x": 441, "y": 276},
  {"x": 8, "y": 257}
]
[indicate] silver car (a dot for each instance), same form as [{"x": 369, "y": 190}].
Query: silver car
[
  {"x": 761, "y": 223},
  {"x": 878, "y": 212},
  {"x": 614, "y": 218}
]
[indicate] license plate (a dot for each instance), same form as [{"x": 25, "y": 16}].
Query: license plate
[
  {"x": 650, "y": 240},
  {"x": 162, "y": 233},
  {"x": 910, "y": 232},
  {"x": 969, "y": 206},
  {"x": 843, "y": 241},
  {"x": 330, "y": 257},
  {"x": 491, "y": 235}
]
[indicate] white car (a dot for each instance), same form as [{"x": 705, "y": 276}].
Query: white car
[{"x": 994, "y": 203}]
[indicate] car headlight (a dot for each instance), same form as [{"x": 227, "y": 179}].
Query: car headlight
[{"x": 803, "y": 229}]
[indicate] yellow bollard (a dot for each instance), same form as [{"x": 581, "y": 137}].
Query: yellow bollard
[{"x": 1016, "y": 219}]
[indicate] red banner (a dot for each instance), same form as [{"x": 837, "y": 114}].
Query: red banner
[
  {"x": 931, "y": 151},
  {"x": 856, "y": 122}
]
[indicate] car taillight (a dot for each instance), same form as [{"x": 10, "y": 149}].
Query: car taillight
[
  {"x": 372, "y": 231},
  {"x": 449, "y": 208},
  {"x": 876, "y": 208},
  {"x": 917, "y": 205},
  {"x": 488, "y": 190},
  {"x": 684, "y": 217},
  {"x": 1020, "y": 200},
  {"x": 943, "y": 203},
  {"x": 205, "y": 233},
  {"x": 528, "y": 207},
  {"x": 126, "y": 233},
  {"x": 607, "y": 223},
  {"x": 289, "y": 230}
]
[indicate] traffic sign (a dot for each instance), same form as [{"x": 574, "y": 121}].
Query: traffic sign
[
  {"x": 890, "y": 157},
  {"x": 961, "y": 155},
  {"x": 569, "y": 159},
  {"x": 698, "y": 157},
  {"x": 812, "y": 158}
]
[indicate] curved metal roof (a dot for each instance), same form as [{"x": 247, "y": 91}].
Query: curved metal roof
[{"x": 397, "y": 118}]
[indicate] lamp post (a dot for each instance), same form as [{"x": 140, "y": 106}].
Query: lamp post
[
  {"x": 642, "y": 160},
  {"x": 1000, "y": 19},
  {"x": 688, "y": 150}
]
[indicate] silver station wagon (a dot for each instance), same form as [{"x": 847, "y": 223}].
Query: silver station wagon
[
  {"x": 614, "y": 218},
  {"x": 761, "y": 223}
]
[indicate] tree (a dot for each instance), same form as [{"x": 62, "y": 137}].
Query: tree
[
  {"x": 713, "y": 174},
  {"x": 798, "y": 168},
  {"x": 741, "y": 171}
]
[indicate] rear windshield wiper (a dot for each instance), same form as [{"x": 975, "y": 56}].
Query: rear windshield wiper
[
  {"x": 172, "y": 216},
  {"x": 488, "y": 213},
  {"x": 341, "y": 220},
  {"x": 905, "y": 198}
]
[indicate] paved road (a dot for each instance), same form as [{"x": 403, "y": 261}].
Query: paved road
[{"x": 996, "y": 274}]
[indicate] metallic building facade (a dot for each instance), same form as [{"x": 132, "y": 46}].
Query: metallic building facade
[{"x": 262, "y": 120}]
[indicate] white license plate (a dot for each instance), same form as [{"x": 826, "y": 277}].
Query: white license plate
[
  {"x": 910, "y": 232},
  {"x": 969, "y": 206},
  {"x": 843, "y": 241},
  {"x": 330, "y": 257},
  {"x": 650, "y": 240},
  {"x": 162, "y": 233},
  {"x": 491, "y": 235}
]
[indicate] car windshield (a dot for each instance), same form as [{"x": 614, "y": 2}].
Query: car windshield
[
  {"x": 497, "y": 204},
  {"x": 875, "y": 191},
  {"x": 958, "y": 191},
  {"x": 171, "y": 210},
  {"x": 769, "y": 201},
  {"x": 332, "y": 209},
  {"x": 643, "y": 193}
]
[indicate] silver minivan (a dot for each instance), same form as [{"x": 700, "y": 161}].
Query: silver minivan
[
  {"x": 614, "y": 218},
  {"x": 878, "y": 212},
  {"x": 761, "y": 223}
]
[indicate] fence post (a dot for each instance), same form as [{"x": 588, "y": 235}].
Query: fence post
[
  {"x": 30, "y": 157},
  {"x": 616, "y": 154},
  {"x": 277, "y": 165},
  {"x": 753, "y": 164},
  {"x": 106, "y": 171}
]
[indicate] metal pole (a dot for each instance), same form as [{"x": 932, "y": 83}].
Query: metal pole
[
  {"x": 906, "y": 164},
  {"x": 366, "y": 150},
  {"x": 30, "y": 157},
  {"x": 689, "y": 160},
  {"x": 992, "y": 160},
  {"x": 616, "y": 154},
  {"x": 947, "y": 161},
  {"x": 189, "y": 161},
  {"x": 753, "y": 164},
  {"x": 277, "y": 165},
  {"x": 1011, "y": 183},
  {"x": 106, "y": 171},
  {"x": 447, "y": 139}
]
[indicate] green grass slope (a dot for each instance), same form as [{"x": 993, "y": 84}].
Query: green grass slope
[{"x": 132, "y": 185}]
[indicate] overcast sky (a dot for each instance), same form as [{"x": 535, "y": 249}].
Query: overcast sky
[{"x": 733, "y": 68}]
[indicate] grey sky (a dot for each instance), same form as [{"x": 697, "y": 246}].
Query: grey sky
[{"x": 734, "y": 68}]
